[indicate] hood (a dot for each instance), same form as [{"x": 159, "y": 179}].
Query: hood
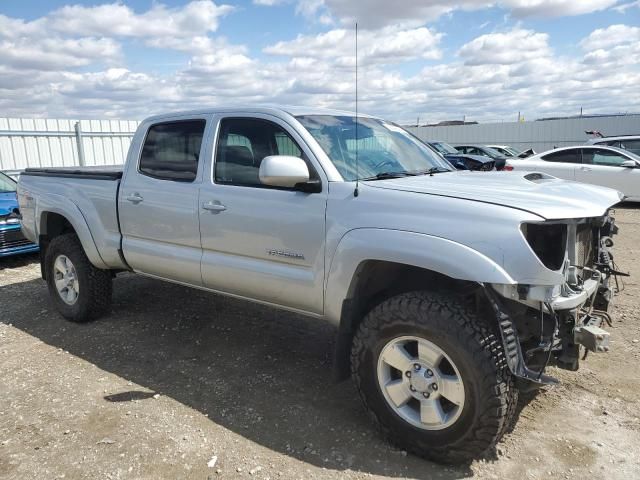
[
  {"x": 537, "y": 193},
  {"x": 477, "y": 158},
  {"x": 8, "y": 201}
]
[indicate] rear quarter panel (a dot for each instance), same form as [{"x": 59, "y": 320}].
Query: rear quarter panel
[{"x": 89, "y": 205}]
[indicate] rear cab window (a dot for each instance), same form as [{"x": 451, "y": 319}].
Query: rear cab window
[{"x": 171, "y": 150}]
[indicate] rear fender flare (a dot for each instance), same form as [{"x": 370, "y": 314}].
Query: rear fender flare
[{"x": 70, "y": 211}]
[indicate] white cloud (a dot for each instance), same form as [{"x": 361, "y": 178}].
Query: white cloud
[
  {"x": 118, "y": 20},
  {"x": 554, "y": 8},
  {"x": 65, "y": 64},
  {"x": 268, "y": 3},
  {"x": 622, "y": 8},
  {"x": 611, "y": 36},
  {"x": 506, "y": 48},
  {"x": 377, "y": 13},
  {"x": 56, "y": 54},
  {"x": 384, "y": 46}
]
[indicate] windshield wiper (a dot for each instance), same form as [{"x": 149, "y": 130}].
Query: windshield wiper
[
  {"x": 409, "y": 173},
  {"x": 430, "y": 171},
  {"x": 385, "y": 175}
]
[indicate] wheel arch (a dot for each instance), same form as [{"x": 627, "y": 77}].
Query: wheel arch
[
  {"x": 54, "y": 221},
  {"x": 370, "y": 265}
]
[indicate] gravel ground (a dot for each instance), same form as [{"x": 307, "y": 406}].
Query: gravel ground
[{"x": 177, "y": 383}]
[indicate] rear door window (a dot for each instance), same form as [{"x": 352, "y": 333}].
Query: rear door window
[
  {"x": 563, "y": 156},
  {"x": 171, "y": 150}
]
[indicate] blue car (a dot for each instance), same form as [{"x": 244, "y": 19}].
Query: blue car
[{"x": 12, "y": 242}]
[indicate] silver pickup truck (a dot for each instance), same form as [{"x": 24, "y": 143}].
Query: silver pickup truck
[{"x": 450, "y": 291}]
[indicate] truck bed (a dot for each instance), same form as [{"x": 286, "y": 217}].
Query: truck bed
[
  {"x": 93, "y": 173},
  {"x": 86, "y": 196}
]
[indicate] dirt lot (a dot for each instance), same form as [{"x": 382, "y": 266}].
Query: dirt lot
[{"x": 175, "y": 378}]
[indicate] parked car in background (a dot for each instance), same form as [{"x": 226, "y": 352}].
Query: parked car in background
[
  {"x": 485, "y": 151},
  {"x": 607, "y": 166},
  {"x": 506, "y": 150},
  {"x": 527, "y": 153},
  {"x": 12, "y": 242},
  {"x": 630, "y": 143},
  {"x": 462, "y": 161}
]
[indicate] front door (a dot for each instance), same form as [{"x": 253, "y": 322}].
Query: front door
[
  {"x": 158, "y": 203},
  {"x": 261, "y": 242}
]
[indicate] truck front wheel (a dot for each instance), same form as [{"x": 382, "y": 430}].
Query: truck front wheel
[
  {"x": 80, "y": 291},
  {"x": 433, "y": 377}
]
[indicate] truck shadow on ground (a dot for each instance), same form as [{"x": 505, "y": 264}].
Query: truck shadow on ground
[{"x": 262, "y": 373}]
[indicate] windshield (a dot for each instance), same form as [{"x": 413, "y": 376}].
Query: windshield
[
  {"x": 492, "y": 153},
  {"x": 512, "y": 151},
  {"x": 7, "y": 185},
  {"x": 382, "y": 147},
  {"x": 444, "y": 148}
]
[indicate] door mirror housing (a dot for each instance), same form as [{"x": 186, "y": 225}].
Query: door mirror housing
[
  {"x": 629, "y": 164},
  {"x": 283, "y": 171}
]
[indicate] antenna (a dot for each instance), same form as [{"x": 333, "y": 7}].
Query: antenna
[{"x": 356, "y": 192}]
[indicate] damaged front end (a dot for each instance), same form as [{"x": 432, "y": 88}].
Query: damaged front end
[{"x": 542, "y": 325}]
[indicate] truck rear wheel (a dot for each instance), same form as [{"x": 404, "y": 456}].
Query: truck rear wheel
[
  {"x": 80, "y": 291},
  {"x": 433, "y": 377}
]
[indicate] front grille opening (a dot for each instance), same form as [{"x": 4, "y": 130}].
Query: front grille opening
[
  {"x": 585, "y": 248},
  {"x": 548, "y": 241}
]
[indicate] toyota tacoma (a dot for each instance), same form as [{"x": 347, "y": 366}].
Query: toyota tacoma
[{"x": 450, "y": 291}]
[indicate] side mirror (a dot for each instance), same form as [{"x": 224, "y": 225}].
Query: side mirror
[
  {"x": 629, "y": 164},
  {"x": 283, "y": 171}
]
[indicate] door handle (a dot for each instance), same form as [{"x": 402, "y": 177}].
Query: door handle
[
  {"x": 134, "y": 198},
  {"x": 586, "y": 169},
  {"x": 214, "y": 207}
]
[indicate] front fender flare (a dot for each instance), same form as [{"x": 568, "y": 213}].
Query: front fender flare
[{"x": 433, "y": 253}]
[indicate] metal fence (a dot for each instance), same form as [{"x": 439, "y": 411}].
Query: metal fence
[
  {"x": 540, "y": 135},
  {"x": 62, "y": 143}
]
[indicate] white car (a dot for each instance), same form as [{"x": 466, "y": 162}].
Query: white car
[
  {"x": 506, "y": 150},
  {"x": 606, "y": 166},
  {"x": 630, "y": 143}
]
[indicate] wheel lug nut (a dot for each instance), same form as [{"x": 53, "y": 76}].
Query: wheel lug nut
[
  {"x": 426, "y": 394},
  {"x": 434, "y": 386},
  {"x": 416, "y": 367},
  {"x": 412, "y": 388},
  {"x": 429, "y": 372},
  {"x": 408, "y": 374}
]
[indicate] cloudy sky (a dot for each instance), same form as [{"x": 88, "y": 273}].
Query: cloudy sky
[{"x": 432, "y": 59}]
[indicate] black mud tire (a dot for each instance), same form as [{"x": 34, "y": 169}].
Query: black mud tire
[
  {"x": 94, "y": 298},
  {"x": 490, "y": 393}
]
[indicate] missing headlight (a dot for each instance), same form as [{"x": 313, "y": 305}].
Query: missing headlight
[{"x": 548, "y": 241}]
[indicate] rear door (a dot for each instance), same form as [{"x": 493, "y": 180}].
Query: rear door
[
  {"x": 262, "y": 242},
  {"x": 561, "y": 163},
  {"x": 602, "y": 167},
  {"x": 158, "y": 202}
]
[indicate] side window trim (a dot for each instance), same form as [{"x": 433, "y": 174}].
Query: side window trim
[
  {"x": 204, "y": 146},
  {"x": 308, "y": 156}
]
